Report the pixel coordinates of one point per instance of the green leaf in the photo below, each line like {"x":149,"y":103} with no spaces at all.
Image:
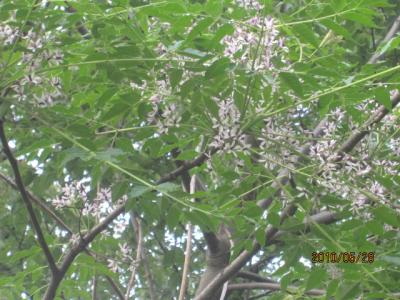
{"x":260,"y":236}
{"x":305,"y":33}
{"x":361,"y":18}
{"x":347,"y":291}
{"x":139,"y":190}
{"x":383,"y":97}
{"x":214,"y":7}
{"x":110,"y":154}
{"x":338,"y":29}
{"x":316,"y":278}
{"x":274,"y":218}
{"x":292,"y":82}
{"x":167,"y":187}
{"x":186,"y":155}
{"x":387,"y":215}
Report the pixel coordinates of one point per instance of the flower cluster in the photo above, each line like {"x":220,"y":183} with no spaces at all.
{"x":74,"y":194}
{"x":343,"y":179}
{"x":8,"y":35}
{"x":278,"y":140}
{"x":70,"y":193}
{"x":163,"y":115}
{"x":125,"y":256}
{"x":229,"y":137}
{"x":34,"y":57}
{"x":249,"y":4}
{"x":256,"y":44}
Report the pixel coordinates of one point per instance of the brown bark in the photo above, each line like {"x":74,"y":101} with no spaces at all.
{"x":217,"y":258}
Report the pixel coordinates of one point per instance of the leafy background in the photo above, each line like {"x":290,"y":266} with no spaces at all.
{"x":113,"y":94}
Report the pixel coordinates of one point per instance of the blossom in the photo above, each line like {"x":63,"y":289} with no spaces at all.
{"x":229,"y":136}
{"x":113,"y":265}
{"x":8,"y":35}
{"x":126,"y":252}
{"x":258,"y":46}
{"x":250,"y":4}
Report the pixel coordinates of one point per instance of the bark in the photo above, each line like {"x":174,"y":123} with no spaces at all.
{"x":217,"y":258}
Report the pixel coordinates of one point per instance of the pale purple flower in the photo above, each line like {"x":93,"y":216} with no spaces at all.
{"x":229,"y":137}
{"x":8,"y":35}
{"x":260,"y":45}
{"x":126,"y":252}
{"x":113,"y":265}
{"x":74,"y":239}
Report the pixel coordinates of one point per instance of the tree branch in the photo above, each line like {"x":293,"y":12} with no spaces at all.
{"x":137,"y":227}
{"x":392,"y":31}
{"x":77,"y":249}
{"x":318,"y":131}
{"x":188,"y":252}
{"x":186,"y":166}
{"x":42,"y":205}
{"x":28,"y":204}
{"x":246,"y":255}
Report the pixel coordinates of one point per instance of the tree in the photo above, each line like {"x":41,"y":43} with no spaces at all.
{"x":135,"y":135}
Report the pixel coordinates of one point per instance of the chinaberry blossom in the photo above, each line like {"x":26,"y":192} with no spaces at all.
{"x":45,"y":90}
{"x":229,"y":136}
{"x":75,"y":195}
{"x":250,"y":4}
{"x":256,"y":44}
{"x":163,"y":114}
{"x":113,"y":265}
{"x":8,"y":34}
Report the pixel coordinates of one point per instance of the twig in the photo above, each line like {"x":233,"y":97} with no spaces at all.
{"x":137,"y":227}
{"x":188,"y":252}
{"x":94,"y":288}
{"x":186,"y":166}
{"x":28,"y":203}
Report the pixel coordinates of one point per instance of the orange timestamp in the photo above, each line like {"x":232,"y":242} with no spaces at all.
{"x":343,"y":257}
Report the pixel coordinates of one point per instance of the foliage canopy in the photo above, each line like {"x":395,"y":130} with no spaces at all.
{"x":284,"y":110}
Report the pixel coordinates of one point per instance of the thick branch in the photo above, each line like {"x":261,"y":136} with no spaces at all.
{"x":42,"y":205}
{"x":392,"y":31}
{"x":28,"y":204}
{"x":271,"y":232}
{"x":209,"y":236}
{"x":77,"y":249}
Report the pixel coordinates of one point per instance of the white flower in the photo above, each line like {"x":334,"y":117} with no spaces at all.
{"x":250,"y":4}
